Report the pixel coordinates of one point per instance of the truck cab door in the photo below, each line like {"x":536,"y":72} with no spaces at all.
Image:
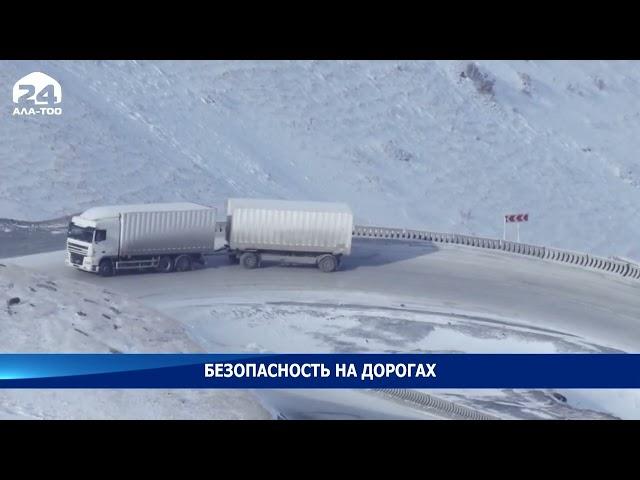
{"x":107,"y":238}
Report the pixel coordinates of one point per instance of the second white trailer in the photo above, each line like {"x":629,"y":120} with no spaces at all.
{"x":304,"y":232}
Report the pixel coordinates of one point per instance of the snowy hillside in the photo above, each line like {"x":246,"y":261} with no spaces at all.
{"x":447,"y":145}
{"x":56,"y":315}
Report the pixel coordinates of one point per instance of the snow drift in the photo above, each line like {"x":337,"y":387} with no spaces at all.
{"x":41,"y":314}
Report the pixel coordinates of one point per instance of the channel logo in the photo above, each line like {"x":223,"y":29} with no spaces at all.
{"x":37,"y":94}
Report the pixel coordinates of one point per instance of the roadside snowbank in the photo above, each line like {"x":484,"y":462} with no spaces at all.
{"x":58,"y":315}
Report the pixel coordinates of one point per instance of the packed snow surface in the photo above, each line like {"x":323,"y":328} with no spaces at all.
{"x":56,"y":315}
{"x":392,"y":296}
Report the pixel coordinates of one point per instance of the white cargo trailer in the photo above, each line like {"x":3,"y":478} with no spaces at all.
{"x":303,"y":232}
{"x":160,"y":236}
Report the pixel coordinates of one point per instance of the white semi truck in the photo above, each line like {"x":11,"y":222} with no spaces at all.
{"x":280,"y":230}
{"x":160,"y":236}
{"x":173,"y":236}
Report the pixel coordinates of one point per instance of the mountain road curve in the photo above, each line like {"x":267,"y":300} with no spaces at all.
{"x":524,"y":291}
{"x":390,"y":295}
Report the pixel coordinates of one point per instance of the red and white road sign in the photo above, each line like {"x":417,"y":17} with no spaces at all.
{"x":516,"y":217}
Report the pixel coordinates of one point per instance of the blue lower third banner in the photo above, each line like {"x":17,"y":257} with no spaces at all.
{"x":319,"y":371}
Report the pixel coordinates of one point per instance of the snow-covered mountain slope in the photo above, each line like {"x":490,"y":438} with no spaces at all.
{"x":58,"y":315}
{"x":447,"y":145}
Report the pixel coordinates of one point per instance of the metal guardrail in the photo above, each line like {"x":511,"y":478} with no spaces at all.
{"x":609,"y":265}
{"x":434,"y":404}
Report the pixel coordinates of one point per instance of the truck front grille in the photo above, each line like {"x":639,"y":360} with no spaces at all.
{"x":76,"y":252}
{"x":75,"y":248}
{"x":76,"y":258}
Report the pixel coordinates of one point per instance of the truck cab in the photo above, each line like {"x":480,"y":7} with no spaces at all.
{"x":90,"y":239}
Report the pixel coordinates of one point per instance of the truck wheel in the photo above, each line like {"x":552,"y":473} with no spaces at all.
{"x":327,"y":263}
{"x":249,"y":260}
{"x":183,"y":263}
{"x":105,"y":269}
{"x":165,"y":264}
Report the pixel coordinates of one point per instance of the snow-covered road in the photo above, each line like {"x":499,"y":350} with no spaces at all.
{"x":484,"y":286}
{"x":393,"y":296}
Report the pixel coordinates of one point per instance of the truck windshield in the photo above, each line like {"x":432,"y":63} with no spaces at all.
{"x":84,"y":234}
